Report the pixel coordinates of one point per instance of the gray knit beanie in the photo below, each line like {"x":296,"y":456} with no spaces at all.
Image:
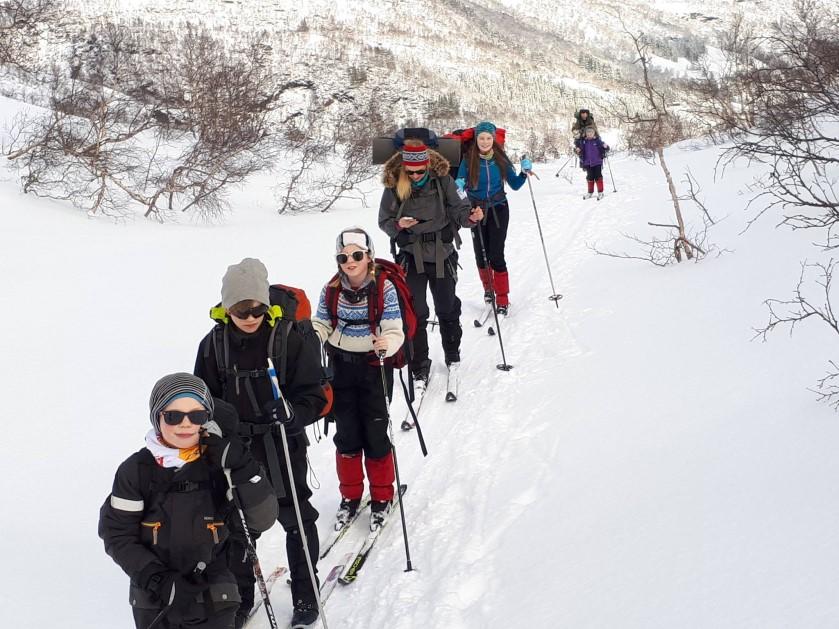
{"x":245,"y":281}
{"x":174,"y":386}
{"x":355,"y":235}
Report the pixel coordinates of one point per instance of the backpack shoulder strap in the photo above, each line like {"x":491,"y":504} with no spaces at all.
{"x":332,"y":294}
{"x":441,"y":197}
{"x":278,"y":347}
{"x":149,"y":478}
{"x":401,"y":207}
{"x":220,"y":343}
{"x":375,"y":299}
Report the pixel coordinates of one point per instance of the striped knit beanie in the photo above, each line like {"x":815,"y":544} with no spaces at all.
{"x":485,"y":127}
{"x":174,"y":386}
{"x":415,"y":155}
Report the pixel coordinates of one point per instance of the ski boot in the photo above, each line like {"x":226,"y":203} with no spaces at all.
{"x":346,"y":512}
{"x":588,"y":195}
{"x":305,"y":614}
{"x":378,"y":512}
{"x":599,"y":195}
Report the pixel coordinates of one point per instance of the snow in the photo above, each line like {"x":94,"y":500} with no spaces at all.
{"x":644,"y":465}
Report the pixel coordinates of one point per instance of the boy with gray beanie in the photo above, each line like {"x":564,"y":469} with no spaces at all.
{"x":166,"y":522}
{"x":233,"y":359}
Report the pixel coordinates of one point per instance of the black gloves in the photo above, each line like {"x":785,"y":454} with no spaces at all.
{"x":275,"y":409}
{"x":403,"y":238}
{"x":214,"y":451}
{"x":169,"y":586}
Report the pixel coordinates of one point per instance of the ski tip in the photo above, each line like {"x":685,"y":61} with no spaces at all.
{"x":451,"y":397}
{"x":476,"y":323}
{"x":491,"y":331}
{"x":407,"y":426}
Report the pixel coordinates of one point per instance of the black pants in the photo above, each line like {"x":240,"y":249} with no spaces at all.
{"x":446,"y":306}
{"x":493,"y":229}
{"x":202,"y":617}
{"x":593,"y":173}
{"x":239,"y":563}
{"x":360,"y":408}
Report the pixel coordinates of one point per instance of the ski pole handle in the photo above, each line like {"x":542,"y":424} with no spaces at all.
{"x":275,"y":386}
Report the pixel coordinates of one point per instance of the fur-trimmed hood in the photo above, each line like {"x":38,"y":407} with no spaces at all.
{"x":439,"y":166}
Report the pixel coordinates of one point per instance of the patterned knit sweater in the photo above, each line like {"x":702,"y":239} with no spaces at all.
{"x":352,"y":332}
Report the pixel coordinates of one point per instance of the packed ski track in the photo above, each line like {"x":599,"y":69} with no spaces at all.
{"x":644,"y":465}
{"x":464,"y":497}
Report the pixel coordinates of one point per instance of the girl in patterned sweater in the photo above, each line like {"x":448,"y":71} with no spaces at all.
{"x":360,"y":406}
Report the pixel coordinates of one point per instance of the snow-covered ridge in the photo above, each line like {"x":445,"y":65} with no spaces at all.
{"x":528,"y":64}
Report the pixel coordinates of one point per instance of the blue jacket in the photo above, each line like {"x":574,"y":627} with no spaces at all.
{"x":490,"y":185}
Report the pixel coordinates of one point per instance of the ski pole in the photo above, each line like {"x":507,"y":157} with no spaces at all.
{"x":555,"y":297}
{"x":562,"y":167}
{"x":414,"y":417}
{"x":504,"y":366}
{"x":409,"y":567}
{"x":278,"y":395}
{"x":611,"y":176}
{"x":249,"y":545}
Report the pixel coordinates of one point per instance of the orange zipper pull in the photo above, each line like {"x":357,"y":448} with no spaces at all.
{"x":154,"y":526}
{"x":214,"y":526}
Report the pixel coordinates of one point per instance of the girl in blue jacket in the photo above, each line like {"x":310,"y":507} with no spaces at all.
{"x":482,"y":174}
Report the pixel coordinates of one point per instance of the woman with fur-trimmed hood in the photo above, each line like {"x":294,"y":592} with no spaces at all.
{"x":582,"y":120}
{"x":422,"y":210}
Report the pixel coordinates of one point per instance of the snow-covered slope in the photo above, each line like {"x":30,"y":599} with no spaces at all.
{"x":450,"y":62}
{"x":644,"y":465}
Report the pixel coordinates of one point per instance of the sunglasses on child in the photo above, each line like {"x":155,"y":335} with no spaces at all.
{"x":343,"y":258}
{"x":244,"y":313}
{"x":416,"y":173}
{"x":174,"y":418}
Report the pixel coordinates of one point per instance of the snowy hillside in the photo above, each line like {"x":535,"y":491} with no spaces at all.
{"x":451,"y":61}
{"x":645,"y":465}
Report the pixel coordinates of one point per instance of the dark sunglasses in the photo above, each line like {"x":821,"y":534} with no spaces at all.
{"x":244,"y":313}
{"x":412,"y":173}
{"x":174,"y":418}
{"x":343,"y":258}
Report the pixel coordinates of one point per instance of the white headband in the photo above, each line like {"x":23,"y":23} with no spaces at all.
{"x":354,"y":238}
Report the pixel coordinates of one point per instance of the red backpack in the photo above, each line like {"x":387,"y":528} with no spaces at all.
{"x":467,"y":136}
{"x":385,"y":270}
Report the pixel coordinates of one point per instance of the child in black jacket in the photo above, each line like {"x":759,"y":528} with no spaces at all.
{"x":167,"y":519}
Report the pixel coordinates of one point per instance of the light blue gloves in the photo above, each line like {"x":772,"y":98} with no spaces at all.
{"x":526,"y":164}
{"x":460,"y":182}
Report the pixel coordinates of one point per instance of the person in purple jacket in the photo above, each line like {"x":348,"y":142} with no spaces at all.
{"x":592,"y":151}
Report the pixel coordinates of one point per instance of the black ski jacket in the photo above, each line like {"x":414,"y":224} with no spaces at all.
{"x":178,"y":518}
{"x":248,"y":355}
{"x":246,"y":385}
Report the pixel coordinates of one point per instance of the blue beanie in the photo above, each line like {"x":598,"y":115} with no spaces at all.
{"x":485,"y":127}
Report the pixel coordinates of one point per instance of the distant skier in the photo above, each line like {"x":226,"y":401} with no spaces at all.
{"x":482,"y":173}
{"x":592,"y":151}
{"x":167,"y":520}
{"x":422,"y":210}
{"x":233,"y":359}
{"x":343,"y":323}
{"x":582,"y":120}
